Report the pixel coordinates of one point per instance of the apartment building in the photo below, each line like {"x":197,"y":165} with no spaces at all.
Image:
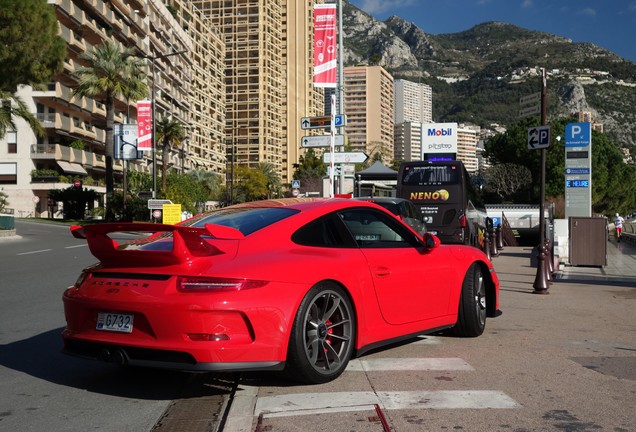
{"x":413,"y":102}
{"x":408,"y":141}
{"x":204,"y":148}
{"x":268,"y":72}
{"x":413,"y":107}
{"x":467,"y":146}
{"x":74,"y":144}
{"x":368,"y":104}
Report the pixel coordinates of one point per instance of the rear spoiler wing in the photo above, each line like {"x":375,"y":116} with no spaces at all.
{"x":187,"y":243}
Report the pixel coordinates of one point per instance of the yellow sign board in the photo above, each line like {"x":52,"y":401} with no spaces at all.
{"x":171,"y":213}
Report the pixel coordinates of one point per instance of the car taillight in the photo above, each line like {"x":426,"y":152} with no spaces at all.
{"x":462,"y":221}
{"x":203,"y":284}
{"x":81,"y":278}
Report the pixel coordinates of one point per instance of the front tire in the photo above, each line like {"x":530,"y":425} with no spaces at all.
{"x":471,"y":318}
{"x":322,"y":337}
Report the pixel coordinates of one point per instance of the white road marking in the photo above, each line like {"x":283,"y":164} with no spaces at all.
{"x":404,"y":364}
{"x":76,"y":246}
{"x":319,"y":403}
{"x":34,"y":252}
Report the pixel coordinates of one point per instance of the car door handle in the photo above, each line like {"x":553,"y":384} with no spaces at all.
{"x":382,"y":271}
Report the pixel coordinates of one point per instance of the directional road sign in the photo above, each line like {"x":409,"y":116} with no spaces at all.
{"x":157,"y":204}
{"x":321,"y":141}
{"x":345,"y":157}
{"x":322,"y":122}
{"x":538,"y":137}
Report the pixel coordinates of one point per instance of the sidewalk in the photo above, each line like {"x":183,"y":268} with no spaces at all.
{"x":567,"y":360}
{"x":619,"y":271}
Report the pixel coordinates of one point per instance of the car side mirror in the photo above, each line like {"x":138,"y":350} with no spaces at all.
{"x":431,"y":241}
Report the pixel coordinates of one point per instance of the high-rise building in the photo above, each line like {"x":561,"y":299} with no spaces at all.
{"x":413,"y":102}
{"x":204,"y":148}
{"x":268,"y":77}
{"x":368,"y":104}
{"x":413,"y":106}
{"x":408,"y":141}
{"x":74,"y":142}
{"x":467,"y":142}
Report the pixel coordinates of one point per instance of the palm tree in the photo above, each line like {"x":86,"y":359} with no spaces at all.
{"x":170,"y":132}
{"x":110,"y":74}
{"x":11,"y":106}
{"x":273,"y":179}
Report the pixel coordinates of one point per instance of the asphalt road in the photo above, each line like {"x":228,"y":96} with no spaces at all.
{"x":42,"y":389}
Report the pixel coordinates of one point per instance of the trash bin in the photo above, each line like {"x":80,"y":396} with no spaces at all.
{"x":7,"y":222}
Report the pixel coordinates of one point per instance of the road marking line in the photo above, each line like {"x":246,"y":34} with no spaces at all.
{"x":404,"y":364}
{"x":34,"y":252}
{"x":76,"y":246}
{"x":319,"y":403}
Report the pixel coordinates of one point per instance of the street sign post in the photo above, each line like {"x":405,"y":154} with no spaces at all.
{"x":345,"y":157}
{"x":322,"y":122}
{"x":321,"y":141}
{"x":538,"y":137}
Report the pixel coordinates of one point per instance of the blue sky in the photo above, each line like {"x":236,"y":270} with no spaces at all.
{"x":610,"y":24}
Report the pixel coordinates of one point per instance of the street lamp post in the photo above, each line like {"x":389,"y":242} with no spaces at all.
{"x":154,"y":127}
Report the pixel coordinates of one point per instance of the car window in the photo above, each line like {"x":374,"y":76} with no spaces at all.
{"x":247,"y":220}
{"x":373,"y":229}
{"x":326,"y":231}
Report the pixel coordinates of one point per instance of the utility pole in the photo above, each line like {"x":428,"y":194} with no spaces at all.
{"x":541,"y":280}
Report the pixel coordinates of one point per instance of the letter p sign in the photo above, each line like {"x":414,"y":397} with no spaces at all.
{"x":576,"y":130}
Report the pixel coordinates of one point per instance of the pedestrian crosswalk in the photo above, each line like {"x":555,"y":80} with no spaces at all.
{"x":292,"y":404}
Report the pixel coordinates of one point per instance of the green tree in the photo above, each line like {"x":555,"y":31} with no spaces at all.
{"x":185,"y":190}
{"x":273,"y":179}
{"x":109,"y":74}
{"x":506,"y":179}
{"x":31,"y":53}
{"x":75,"y":200}
{"x":211,"y":184}
{"x":170,"y":132}
{"x":250,"y":184}
{"x":310,"y":170}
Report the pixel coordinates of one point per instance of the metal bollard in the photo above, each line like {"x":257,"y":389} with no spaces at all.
{"x":499,"y":232}
{"x":493,"y":242}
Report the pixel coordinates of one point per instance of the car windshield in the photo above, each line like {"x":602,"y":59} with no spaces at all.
{"x":247,"y":220}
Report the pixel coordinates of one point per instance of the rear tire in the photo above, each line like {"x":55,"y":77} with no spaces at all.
{"x":322,"y":337}
{"x":471,"y":318}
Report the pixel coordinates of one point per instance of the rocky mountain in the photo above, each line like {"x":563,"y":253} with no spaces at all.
{"x":478,"y":75}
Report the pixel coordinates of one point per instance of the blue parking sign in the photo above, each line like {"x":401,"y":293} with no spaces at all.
{"x":578,"y":134}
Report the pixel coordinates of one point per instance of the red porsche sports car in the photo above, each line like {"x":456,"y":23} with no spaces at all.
{"x":297,"y":284}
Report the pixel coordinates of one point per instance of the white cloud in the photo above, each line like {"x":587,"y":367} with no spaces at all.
{"x":373,"y":7}
{"x":527,"y":4}
{"x":588,"y":12}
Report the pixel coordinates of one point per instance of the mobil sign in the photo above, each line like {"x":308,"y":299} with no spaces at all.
{"x":439,"y":138}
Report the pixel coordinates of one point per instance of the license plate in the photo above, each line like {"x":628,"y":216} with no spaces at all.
{"x":115,"y":322}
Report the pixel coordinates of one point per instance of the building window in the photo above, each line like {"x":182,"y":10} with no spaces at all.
{"x":12,"y":142}
{"x":9,"y":173}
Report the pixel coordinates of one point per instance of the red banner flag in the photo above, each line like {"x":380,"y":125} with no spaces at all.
{"x":325,"y":29}
{"x":144,"y":125}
